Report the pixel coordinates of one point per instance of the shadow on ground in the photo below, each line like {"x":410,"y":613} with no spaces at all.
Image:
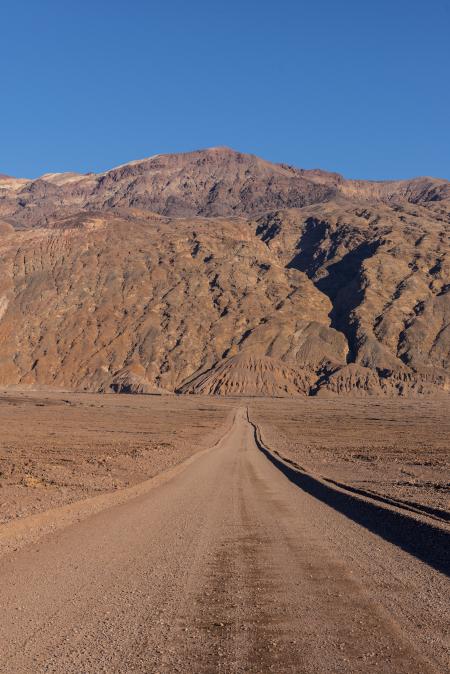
{"x":424,"y":541}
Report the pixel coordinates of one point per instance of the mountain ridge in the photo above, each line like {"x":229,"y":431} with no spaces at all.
{"x":217,"y":271}
{"x":216,"y":181}
{"x":225,"y":150}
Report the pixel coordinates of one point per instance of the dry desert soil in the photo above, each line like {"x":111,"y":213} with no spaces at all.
{"x":207,"y":534}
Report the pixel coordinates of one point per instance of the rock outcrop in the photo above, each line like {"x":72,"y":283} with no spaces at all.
{"x":218,"y":272}
{"x":250,"y":375}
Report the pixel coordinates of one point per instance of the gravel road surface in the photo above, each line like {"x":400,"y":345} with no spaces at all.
{"x":227,"y":567}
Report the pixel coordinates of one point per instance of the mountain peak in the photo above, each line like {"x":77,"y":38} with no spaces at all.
{"x":216,"y":271}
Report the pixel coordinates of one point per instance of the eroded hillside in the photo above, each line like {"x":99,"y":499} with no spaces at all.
{"x":251,"y":278}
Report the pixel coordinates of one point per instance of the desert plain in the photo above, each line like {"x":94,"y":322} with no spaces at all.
{"x":162,"y":533}
{"x":57,"y":448}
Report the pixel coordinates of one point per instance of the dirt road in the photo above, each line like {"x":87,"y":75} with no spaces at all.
{"x":227,"y":567}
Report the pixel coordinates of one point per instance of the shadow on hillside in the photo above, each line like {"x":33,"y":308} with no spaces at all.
{"x":342,"y":284}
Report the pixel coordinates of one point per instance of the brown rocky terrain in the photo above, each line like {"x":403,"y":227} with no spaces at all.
{"x":246,"y":557}
{"x":57,"y":449}
{"x":218,"y":272}
{"x":388,"y":449}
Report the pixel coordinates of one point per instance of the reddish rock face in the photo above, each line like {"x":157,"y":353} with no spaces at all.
{"x":218,"y":272}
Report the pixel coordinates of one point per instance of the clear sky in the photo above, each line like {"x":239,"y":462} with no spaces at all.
{"x":357,"y":86}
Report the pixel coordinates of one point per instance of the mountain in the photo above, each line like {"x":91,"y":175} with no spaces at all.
{"x":215,"y":182}
{"x":219,"y":272}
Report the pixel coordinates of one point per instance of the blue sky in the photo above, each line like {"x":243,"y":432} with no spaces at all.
{"x":362,"y":88}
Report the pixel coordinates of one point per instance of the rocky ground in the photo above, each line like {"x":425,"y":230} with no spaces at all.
{"x":59,"y":448}
{"x":227,"y":562}
{"x":397,"y":449}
